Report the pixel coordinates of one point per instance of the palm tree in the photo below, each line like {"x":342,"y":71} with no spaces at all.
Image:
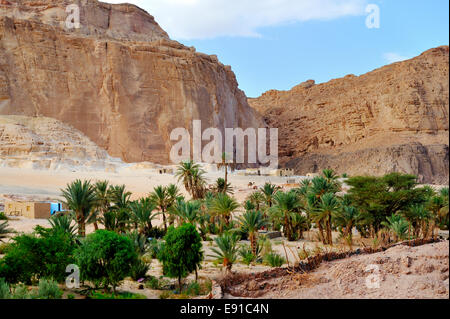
{"x":300,"y":223}
{"x":142,"y":215}
{"x":251,"y":222}
{"x":63,"y":223}
{"x":398,"y":225}
{"x":5,"y":231}
{"x":269,"y":190}
{"x":198,"y":184}
{"x":161,"y":199}
{"x":80,"y":198}
{"x":121,"y":207}
{"x":227,"y":250}
{"x":418,"y":216}
{"x":188,"y":212}
{"x":257,"y":199}
{"x":347,"y":218}
{"x":285,"y":205}
{"x":223,"y":206}
{"x":103,"y":202}
{"x":227,"y":165}
{"x":320,"y":186}
{"x":249,"y":206}
{"x":223,"y":187}
{"x":192,"y":177}
{"x":324,"y":213}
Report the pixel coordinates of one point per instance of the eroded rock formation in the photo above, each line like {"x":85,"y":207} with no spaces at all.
{"x":46,"y":143}
{"x":395,"y":118}
{"x":119,"y":79}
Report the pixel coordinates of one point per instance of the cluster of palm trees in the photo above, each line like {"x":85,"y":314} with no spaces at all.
{"x":111,"y":206}
{"x":317,"y":204}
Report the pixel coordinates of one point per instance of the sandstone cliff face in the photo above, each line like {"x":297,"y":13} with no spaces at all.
{"x":395,"y":118}
{"x":118,"y":79}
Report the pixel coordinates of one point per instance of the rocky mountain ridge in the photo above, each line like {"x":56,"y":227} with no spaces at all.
{"x":395,"y":118}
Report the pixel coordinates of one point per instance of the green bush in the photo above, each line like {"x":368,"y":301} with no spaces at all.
{"x":48,"y":289}
{"x":139,"y":270}
{"x":247,"y":256}
{"x":105,"y":258}
{"x":44,"y":254}
{"x":124,"y":295}
{"x":3,"y":216}
{"x":21,"y":292}
{"x":4,"y":248}
{"x":5,"y":293}
{"x":274,"y":260}
{"x":10,"y":292}
{"x":156,"y":284}
{"x":182,"y":252}
{"x":193,"y":289}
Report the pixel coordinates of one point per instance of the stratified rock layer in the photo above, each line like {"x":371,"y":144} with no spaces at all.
{"x":395,"y":118}
{"x":119,"y":79}
{"x":46,"y":143}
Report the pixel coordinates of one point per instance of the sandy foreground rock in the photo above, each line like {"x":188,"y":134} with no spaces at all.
{"x":402,"y":272}
{"x":391,"y":119}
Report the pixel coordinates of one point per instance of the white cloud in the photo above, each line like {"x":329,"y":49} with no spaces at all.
{"x":392,"y":57}
{"x":199,"y":19}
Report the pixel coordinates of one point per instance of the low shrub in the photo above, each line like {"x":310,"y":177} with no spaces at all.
{"x":139,"y":270}
{"x":157,"y":284}
{"x":247,"y":256}
{"x":3,"y":216}
{"x":124,"y":295}
{"x":274,"y":260}
{"x":5,"y":293}
{"x":193,"y":289}
{"x":48,"y":289}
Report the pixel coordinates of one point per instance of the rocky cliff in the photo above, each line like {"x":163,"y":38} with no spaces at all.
{"x":46,"y":143}
{"x":119,"y":79}
{"x":395,"y":118}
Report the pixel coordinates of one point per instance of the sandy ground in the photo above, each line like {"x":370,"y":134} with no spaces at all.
{"x":29,"y":184}
{"x":401,"y":272}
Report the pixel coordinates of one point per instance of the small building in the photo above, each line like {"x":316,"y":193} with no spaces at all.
{"x":253,"y":172}
{"x":32,"y":210}
{"x":284,"y":172}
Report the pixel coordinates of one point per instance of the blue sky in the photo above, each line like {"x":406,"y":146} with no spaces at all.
{"x":277,"y":44}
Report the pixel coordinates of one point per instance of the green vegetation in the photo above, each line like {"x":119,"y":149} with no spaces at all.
{"x":383,"y":210}
{"x":105,"y":258}
{"x":43,"y":254}
{"x":226,"y":252}
{"x":181,"y":254}
{"x":274,"y":260}
{"x":5,"y":231}
{"x":47,"y":289}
